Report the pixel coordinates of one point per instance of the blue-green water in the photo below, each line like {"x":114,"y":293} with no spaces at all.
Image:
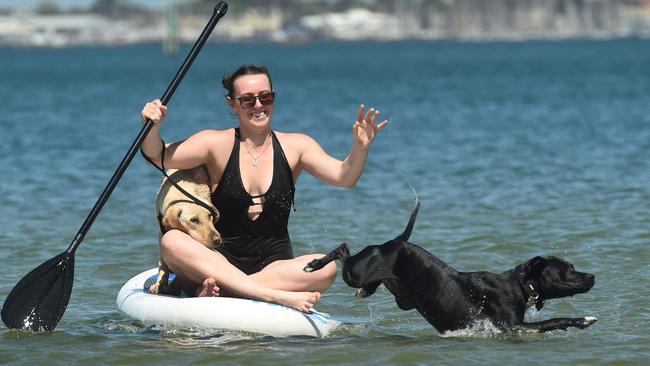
{"x":515,"y":150}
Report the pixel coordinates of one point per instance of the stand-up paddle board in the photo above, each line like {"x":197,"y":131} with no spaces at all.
{"x":225,"y":313}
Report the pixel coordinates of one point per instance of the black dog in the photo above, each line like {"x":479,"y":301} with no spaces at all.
{"x":452,"y":300}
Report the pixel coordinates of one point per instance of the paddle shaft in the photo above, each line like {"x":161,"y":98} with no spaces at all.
{"x":219,"y":12}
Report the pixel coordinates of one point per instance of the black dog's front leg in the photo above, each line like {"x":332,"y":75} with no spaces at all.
{"x":342,"y":253}
{"x":367,"y":290}
{"x":556,"y":323}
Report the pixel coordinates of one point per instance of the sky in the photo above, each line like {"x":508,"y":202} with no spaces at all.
{"x":70,"y":3}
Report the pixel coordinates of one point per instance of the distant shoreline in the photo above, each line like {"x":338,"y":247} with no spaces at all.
{"x":315,"y":42}
{"x":460,"y":20}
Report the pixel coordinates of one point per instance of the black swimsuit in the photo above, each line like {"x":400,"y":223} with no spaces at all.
{"x":248,"y":244}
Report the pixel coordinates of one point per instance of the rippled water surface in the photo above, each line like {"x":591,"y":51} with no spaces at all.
{"x":515,"y":150}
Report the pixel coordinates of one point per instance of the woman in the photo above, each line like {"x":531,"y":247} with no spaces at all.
{"x":252,"y":171}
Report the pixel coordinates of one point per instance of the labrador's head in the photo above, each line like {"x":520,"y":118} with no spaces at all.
{"x":554,"y":277}
{"x":194,"y":220}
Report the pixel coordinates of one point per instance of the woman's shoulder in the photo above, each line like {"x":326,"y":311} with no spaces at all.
{"x":294,"y":137}
{"x":218,"y":141}
{"x":215,"y":134}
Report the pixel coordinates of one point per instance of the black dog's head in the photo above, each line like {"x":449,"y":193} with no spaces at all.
{"x":552,"y":277}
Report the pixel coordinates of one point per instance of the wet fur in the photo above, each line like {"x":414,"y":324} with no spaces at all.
{"x":452,"y":300}
{"x":179,"y":212}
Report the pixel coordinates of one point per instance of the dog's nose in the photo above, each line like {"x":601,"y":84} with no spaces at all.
{"x":216,"y":239}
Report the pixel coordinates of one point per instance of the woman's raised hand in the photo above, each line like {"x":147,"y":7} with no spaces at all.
{"x":154,"y":111}
{"x":364,"y":129}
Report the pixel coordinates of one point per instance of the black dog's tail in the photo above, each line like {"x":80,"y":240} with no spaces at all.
{"x":342,"y":253}
{"x":407,"y":232}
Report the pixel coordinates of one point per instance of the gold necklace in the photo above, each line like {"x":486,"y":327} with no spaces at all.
{"x":256,"y":160}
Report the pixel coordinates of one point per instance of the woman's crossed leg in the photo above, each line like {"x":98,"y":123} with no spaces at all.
{"x":282,"y":282}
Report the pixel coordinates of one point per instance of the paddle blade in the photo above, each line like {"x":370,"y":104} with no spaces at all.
{"x":39,"y":300}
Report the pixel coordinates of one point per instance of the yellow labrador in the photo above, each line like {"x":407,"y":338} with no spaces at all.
{"x":177,"y":211}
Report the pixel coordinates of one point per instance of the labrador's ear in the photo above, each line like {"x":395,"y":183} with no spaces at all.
{"x":171,"y":220}
{"x":530,"y":271}
{"x":216,"y":215}
{"x":529,"y":279}
{"x":533,"y":267}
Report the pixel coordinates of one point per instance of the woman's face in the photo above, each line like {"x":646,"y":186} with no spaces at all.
{"x":247,"y":86}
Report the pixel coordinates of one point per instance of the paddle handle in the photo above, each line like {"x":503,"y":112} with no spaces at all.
{"x":219,"y":11}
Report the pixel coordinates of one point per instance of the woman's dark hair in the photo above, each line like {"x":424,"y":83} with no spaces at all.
{"x":229,"y":79}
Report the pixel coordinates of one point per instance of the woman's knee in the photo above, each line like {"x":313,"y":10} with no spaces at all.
{"x":327,"y":274}
{"x":330,"y":269}
{"x":170,"y":242}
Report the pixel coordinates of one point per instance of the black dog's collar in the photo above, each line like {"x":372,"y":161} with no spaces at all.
{"x":533,"y":296}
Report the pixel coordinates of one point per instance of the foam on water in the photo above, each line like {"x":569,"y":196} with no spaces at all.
{"x":483,"y":328}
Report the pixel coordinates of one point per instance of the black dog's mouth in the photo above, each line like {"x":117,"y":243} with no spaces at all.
{"x":573,"y":284}
{"x":579,"y":284}
{"x":588,"y":281}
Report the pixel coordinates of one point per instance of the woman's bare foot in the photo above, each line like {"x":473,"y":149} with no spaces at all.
{"x":301,"y":301}
{"x":208,"y":288}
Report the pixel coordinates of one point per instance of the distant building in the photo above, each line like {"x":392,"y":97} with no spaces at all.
{"x":113,"y":22}
{"x":63,"y":30}
{"x":253,"y":24}
{"x":354,"y":24}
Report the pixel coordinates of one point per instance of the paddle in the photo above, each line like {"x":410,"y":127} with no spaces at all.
{"x":39,"y":299}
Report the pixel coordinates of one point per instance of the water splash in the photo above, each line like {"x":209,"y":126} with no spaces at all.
{"x":482,"y":328}
{"x":396,"y":165}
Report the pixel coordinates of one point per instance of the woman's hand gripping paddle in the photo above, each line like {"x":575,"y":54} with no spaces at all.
{"x":39,"y":299}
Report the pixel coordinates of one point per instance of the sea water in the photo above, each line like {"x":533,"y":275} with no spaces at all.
{"x":514,"y":149}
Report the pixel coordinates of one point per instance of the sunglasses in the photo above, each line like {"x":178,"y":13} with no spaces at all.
{"x":247,"y":101}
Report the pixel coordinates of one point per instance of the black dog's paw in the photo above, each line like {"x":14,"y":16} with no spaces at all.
{"x":586,"y":321}
{"x":361,"y":294}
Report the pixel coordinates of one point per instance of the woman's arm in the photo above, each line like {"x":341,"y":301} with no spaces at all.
{"x":344,"y":173}
{"x":183,"y":154}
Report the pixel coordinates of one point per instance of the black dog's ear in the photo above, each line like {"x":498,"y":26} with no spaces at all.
{"x":533,"y":266}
